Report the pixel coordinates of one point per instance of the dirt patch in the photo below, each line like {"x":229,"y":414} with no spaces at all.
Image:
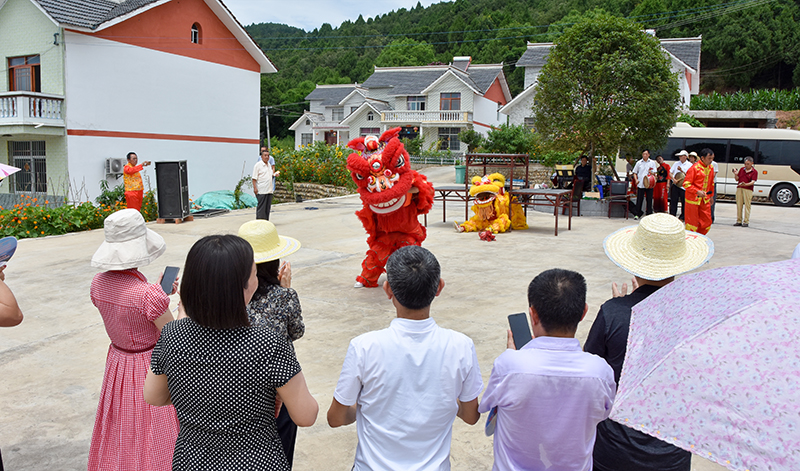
{"x":788,"y":119}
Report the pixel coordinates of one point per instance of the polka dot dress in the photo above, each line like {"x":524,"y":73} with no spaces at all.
{"x":222,"y":383}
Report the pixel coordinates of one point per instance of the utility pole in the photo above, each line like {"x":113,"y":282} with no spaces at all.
{"x":266,"y":117}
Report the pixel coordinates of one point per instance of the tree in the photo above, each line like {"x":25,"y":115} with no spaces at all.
{"x":606,"y":87}
{"x":405,"y":52}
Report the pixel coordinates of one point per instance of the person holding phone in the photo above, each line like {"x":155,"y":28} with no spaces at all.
{"x":404,"y":385}
{"x":275,"y":304}
{"x":549,"y":396}
{"x":222,"y":374}
{"x":128,"y":433}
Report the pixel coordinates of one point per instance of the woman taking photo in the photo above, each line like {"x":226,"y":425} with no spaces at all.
{"x":129,"y":433}
{"x":275,"y":304}
{"x":221,"y":374}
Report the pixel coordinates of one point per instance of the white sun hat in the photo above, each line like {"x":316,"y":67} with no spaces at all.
{"x":129,"y":243}
{"x":267,"y":244}
{"x":658,"y":248}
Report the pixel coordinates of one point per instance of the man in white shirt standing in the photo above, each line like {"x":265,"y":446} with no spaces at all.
{"x":676,"y":192}
{"x":264,"y":184}
{"x":404,"y":385}
{"x":641,"y":170}
{"x":549,"y":394}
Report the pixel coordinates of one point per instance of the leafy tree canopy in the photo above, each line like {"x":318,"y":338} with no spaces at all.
{"x":405,"y":52}
{"x":606,"y":86}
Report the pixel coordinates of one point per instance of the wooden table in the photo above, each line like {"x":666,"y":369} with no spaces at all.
{"x":445,"y":193}
{"x":552,"y":197}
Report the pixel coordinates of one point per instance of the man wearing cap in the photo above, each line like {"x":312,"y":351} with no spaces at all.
{"x":676,"y":191}
{"x":654,"y":253}
{"x":134,"y":190}
{"x":641,"y":171}
{"x":699,"y":186}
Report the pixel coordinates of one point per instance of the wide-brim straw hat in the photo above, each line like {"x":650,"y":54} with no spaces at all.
{"x":129,"y":243}
{"x":658,"y":248}
{"x":267,"y":244}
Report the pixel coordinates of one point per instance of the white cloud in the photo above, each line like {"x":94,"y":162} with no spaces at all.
{"x":311,"y":14}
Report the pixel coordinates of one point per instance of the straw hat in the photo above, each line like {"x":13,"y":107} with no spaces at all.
{"x":694,"y":154}
{"x":267,"y":244}
{"x":129,"y":243}
{"x":683,"y":152}
{"x":658,"y":248}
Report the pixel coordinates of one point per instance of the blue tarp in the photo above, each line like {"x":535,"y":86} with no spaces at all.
{"x":222,"y":199}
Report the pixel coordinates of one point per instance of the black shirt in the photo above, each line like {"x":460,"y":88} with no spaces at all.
{"x":620,"y":448}
{"x":584,"y":172}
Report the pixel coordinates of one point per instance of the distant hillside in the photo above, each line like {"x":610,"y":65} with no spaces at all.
{"x":746,"y":44}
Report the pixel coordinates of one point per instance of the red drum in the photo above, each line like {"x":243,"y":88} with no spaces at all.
{"x":649,"y":181}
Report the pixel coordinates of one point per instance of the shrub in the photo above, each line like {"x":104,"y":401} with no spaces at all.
{"x":315,"y":163}
{"x":754,"y":100}
{"x":29,"y":219}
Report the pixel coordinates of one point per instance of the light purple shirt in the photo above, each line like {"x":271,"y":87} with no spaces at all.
{"x":550,"y":396}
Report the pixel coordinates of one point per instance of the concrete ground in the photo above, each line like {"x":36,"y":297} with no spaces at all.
{"x":52,"y":364}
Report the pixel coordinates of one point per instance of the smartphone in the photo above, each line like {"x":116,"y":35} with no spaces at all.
{"x":519,"y":329}
{"x":170,"y":275}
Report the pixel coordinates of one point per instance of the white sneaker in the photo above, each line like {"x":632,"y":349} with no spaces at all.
{"x":358,"y":285}
{"x":457,"y":227}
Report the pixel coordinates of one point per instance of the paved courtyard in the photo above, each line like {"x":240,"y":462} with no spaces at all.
{"x":52,"y":364}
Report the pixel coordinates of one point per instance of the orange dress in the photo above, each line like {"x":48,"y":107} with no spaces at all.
{"x":134,"y":189}
{"x":697,"y":210}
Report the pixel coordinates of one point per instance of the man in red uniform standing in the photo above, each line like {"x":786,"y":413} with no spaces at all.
{"x":699,"y":185}
{"x":134,"y":189}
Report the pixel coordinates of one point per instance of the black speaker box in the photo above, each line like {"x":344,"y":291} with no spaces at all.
{"x":172,"y":188}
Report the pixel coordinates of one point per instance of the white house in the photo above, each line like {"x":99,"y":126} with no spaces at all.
{"x":435,"y":102}
{"x":90,"y":80}
{"x":683,"y":53}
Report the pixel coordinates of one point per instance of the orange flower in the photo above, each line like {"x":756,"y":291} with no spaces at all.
{"x":46,"y":202}
{"x":27,"y":232}
{"x":42,"y":232}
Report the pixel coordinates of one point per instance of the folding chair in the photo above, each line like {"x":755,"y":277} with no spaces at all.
{"x":618,"y":195}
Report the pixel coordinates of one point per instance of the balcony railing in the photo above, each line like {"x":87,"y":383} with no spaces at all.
{"x":31,"y":108}
{"x":427,"y":116}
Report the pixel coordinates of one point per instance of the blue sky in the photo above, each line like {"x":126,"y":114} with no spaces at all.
{"x":311,"y":14}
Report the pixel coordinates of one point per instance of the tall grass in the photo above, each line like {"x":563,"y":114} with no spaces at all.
{"x":754,"y":100}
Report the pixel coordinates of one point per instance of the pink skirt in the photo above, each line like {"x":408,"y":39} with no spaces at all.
{"x":130,"y":434}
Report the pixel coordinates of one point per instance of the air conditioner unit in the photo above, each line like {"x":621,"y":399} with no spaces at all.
{"x":114,"y":166}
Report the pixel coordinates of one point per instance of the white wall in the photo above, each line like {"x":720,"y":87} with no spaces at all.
{"x":121,"y":88}
{"x":531,"y":73}
{"x":485,"y":112}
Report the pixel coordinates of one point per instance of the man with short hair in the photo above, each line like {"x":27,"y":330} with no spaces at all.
{"x":134,"y":189}
{"x":641,"y":170}
{"x":746,"y":179}
{"x":699,"y":186}
{"x":404,"y":385}
{"x":264,"y":184}
{"x":676,"y":192}
{"x":619,"y":447}
{"x":583,"y":173}
{"x":549,"y":395}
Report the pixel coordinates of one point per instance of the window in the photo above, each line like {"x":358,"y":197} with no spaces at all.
{"x":448,"y":139}
{"x":741,"y":148}
{"x":30,"y":158}
{"x":369,"y":131}
{"x":528,"y":123}
{"x":337,"y":114}
{"x":718,"y":146}
{"x":23,"y":74}
{"x":370,"y":116}
{"x":353,"y":109}
{"x":415,"y":103}
{"x":306,"y":139}
{"x":196,"y":33}
{"x":778,"y":153}
{"x":450,"y":101}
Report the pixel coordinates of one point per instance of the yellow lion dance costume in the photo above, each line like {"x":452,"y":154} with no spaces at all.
{"x":494,"y":209}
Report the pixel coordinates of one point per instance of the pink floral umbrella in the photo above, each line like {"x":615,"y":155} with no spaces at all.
{"x":713,"y":366}
{"x":6,"y":170}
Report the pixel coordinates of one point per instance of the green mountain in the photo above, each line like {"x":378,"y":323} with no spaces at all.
{"x":746,"y":43}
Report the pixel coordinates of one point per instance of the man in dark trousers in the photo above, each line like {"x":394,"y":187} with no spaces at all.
{"x":617,"y":447}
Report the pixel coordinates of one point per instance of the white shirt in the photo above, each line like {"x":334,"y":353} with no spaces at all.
{"x":682,"y":166}
{"x":716,"y":170}
{"x":643,"y":169}
{"x":262,"y":174}
{"x":405,"y":381}
{"x":550,"y":396}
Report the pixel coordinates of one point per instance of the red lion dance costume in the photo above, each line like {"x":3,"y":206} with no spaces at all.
{"x":393,"y":196}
